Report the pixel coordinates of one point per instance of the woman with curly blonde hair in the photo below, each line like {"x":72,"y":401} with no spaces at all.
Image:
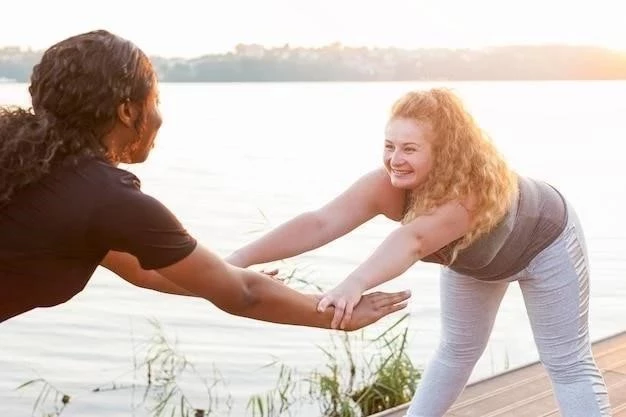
{"x":461,"y":206}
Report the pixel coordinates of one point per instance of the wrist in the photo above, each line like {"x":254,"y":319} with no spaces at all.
{"x":323,"y":318}
{"x":358,"y":282}
{"x":237,"y":259}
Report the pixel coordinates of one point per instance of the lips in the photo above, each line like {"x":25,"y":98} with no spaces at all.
{"x":400,"y":173}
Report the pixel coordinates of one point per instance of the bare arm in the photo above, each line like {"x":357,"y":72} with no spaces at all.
{"x":369,"y":196}
{"x":411,"y":242}
{"x":127,"y":267}
{"x":397,"y":253}
{"x":244,"y":292}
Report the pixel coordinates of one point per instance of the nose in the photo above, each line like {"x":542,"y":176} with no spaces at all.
{"x":396,"y":159}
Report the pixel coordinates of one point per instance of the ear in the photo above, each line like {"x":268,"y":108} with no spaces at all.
{"x":128,"y":113}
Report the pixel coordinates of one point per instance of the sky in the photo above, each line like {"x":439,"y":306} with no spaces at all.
{"x":188,"y":28}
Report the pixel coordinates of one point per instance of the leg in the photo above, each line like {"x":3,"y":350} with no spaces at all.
{"x":556,"y":294}
{"x":468,"y":311}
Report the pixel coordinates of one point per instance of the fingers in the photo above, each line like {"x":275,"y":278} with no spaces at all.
{"x":340,"y":308}
{"x":393,"y":308}
{"x":324,"y":303}
{"x":347,"y":316}
{"x":401,"y":296}
{"x":273,"y":274}
{"x":390,"y":303}
{"x":383,"y":300}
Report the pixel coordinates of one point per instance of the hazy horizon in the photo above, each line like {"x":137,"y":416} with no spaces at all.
{"x":294,"y":46}
{"x":194,"y":28}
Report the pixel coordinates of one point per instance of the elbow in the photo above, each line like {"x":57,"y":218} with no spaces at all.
{"x":318,"y":226}
{"x":416,"y":246}
{"x":247,"y":298}
{"x":316,"y":219}
{"x":417,"y":252}
{"x":141,"y":280}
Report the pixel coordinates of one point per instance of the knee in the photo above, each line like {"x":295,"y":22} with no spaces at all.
{"x":456,"y":352}
{"x":562,"y":370}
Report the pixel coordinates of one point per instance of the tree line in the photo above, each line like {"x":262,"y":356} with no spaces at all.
{"x":335,"y":62}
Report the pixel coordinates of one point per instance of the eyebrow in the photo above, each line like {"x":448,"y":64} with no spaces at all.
{"x":404,"y":143}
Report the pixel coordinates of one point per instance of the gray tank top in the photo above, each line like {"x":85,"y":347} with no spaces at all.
{"x":536,"y":218}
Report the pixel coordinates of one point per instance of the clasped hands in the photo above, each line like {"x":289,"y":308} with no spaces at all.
{"x":345,"y":297}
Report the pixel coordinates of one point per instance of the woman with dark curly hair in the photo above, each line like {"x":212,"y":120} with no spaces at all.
{"x":66,"y":208}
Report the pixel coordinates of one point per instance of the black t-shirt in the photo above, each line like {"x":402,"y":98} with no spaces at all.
{"x":54,"y":233}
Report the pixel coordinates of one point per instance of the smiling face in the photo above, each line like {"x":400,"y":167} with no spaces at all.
{"x":408,"y":156}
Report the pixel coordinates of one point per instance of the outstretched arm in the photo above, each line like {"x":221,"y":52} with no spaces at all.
{"x":371,"y":195}
{"x":397,"y":253}
{"x":246,"y":293}
{"x":172,"y":261}
{"x":127,"y":267}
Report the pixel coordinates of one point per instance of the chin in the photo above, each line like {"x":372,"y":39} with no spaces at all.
{"x":403,"y":184}
{"x":141,"y":158}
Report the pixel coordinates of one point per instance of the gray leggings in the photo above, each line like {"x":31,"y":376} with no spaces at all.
{"x":555,"y":286}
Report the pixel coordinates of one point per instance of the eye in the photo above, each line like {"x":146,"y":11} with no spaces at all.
{"x":389,"y":146}
{"x":410,"y":150}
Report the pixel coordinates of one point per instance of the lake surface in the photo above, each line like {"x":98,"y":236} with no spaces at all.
{"x":233,"y":160}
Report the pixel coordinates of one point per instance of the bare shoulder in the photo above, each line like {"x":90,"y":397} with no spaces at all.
{"x":468,"y":204}
{"x":390,"y":200}
{"x":370,"y":195}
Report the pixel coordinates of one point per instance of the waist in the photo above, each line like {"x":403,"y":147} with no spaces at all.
{"x":537,"y":219}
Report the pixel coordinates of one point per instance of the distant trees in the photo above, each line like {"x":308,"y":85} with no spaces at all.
{"x":338,"y":63}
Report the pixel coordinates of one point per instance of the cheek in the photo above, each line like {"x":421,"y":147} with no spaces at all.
{"x":157,"y":119}
{"x":421,"y":163}
{"x":386,"y":157}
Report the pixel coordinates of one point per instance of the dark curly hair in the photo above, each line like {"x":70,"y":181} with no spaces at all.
{"x":76,"y":89}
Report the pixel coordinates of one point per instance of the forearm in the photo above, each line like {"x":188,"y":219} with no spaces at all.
{"x":301,"y":234}
{"x":270,"y":300}
{"x":244,"y":292}
{"x":397,"y":253}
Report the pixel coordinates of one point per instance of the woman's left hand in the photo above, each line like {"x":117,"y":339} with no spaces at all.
{"x":344,"y":297}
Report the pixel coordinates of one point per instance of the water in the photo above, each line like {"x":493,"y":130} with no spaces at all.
{"x":233,"y":159}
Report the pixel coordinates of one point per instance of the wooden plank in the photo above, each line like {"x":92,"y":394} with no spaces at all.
{"x":547,"y":406}
{"x":527,"y":391}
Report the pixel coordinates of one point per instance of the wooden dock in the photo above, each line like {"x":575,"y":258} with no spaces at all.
{"x":526,"y":391}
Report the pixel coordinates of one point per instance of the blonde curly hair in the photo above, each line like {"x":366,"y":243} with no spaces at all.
{"x":466,"y":163}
